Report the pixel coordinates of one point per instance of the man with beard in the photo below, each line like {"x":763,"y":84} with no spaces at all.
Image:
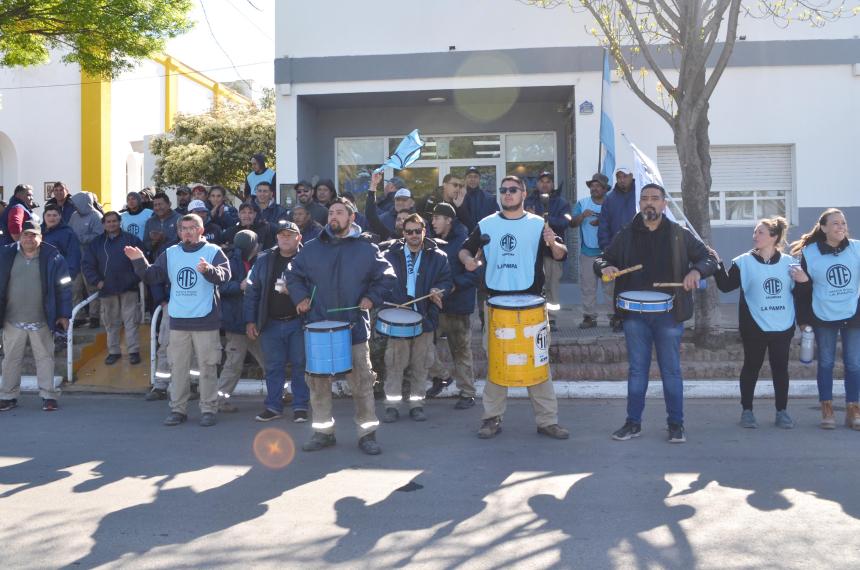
{"x":183,"y":198}
{"x":308,"y":227}
{"x":19,"y":210}
{"x":669,"y":253}
{"x":62,"y":198}
{"x":305,"y":197}
{"x":519,"y":272}
{"x":474,"y":204}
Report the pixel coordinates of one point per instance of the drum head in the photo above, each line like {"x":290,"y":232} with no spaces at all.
{"x":516,"y":301}
{"x":327,"y":325}
{"x":646,"y":296}
{"x":399,"y":316}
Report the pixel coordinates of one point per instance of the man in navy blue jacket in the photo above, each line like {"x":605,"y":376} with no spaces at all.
{"x":474,"y":204}
{"x":57,"y":233}
{"x":618,"y":210}
{"x":422,"y":269}
{"x":456,"y":311}
{"x":107,"y":269}
{"x":267,"y":207}
{"x":35,"y":302}
{"x":342,"y":269}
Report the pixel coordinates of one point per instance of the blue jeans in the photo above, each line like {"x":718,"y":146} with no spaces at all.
{"x":825,"y":338}
{"x":282,"y":342}
{"x":642,"y":332}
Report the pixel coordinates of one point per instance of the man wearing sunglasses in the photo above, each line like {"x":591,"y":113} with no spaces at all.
{"x":421,"y":269}
{"x":305,"y":197}
{"x":514,"y":265}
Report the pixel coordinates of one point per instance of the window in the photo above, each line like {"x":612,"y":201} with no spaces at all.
{"x":749,"y":182}
{"x":529,"y":154}
{"x":356,"y":160}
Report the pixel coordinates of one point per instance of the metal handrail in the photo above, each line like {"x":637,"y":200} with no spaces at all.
{"x":70,"y":336}
{"x":142,"y":290}
{"x":153,"y":342}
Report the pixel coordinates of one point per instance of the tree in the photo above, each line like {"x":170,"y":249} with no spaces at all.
{"x":215,"y":147}
{"x":695,"y":35}
{"x":104,"y":37}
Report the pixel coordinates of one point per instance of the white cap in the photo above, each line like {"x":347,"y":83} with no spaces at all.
{"x":403,"y":193}
{"x":197,"y":205}
{"x":623,"y":169}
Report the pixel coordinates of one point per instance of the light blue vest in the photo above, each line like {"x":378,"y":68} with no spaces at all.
{"x":834,"y":281}
{"x":254,"y":179}
{"x":134,"y":223}
{"x":587,"y":231}
{"x":512,"y":251}
{"x":191,"y":296}
{"x":767,"y":290}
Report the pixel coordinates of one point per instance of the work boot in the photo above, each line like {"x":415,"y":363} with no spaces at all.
{"x":588,"y":322}
{"x":852,"y":415}
{"x":156,"y":394}
{"x":828,"y":421}
{"x":134,"y":358}
{"x":417,"y":414}
{"x":368,"y":444}
{"x":318,"y":441}
{"x":391,"y":415}
{"x":439,"y":384}
{"x":464,"y":403}
{"x":490,"y":427}
{"x":208,"y":419}
{"x":112,"y":359}
{"x":554,"y":431}
{"x":174,"y":419}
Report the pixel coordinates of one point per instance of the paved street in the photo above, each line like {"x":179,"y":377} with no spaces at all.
{"x":102,"y":483}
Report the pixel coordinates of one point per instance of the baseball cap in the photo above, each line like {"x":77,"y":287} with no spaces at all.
{"x":472,"y":169}
{"x":286,"y":226}
{"x":397,"y":182}
{"x":546,"y":174}
{"x":600,"y":178}
{"x":31,"y":227}
{"x":197,"y":205}
{"x":183,"y":190}
{"x":403,"y":193}
{"x":623,"y":169}
{"x":443,"y":209}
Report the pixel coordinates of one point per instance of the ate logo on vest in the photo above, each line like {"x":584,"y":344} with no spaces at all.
{"x":134,"y":229}
{"x":508,"y":243}
{"x":772,"y":286}
{"x":186,"y":278}
{"x":839,"y":276}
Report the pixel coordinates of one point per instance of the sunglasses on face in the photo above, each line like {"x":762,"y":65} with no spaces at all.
{"x":412,"y":232}
{"x":509,"y":189}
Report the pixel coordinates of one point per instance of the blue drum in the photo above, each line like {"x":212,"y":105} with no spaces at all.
{"x":645,"y":301}
{"x":399,"y":323}
{"x":328,"y":348}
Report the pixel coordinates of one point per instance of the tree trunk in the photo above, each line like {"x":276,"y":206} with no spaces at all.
{"x":693,"y":144}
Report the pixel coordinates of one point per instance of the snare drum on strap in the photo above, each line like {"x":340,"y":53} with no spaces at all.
{"x":399,"y":323}
{"x":645,"y":301}
{"x":328,"y":348}
{"x":518,"y":344}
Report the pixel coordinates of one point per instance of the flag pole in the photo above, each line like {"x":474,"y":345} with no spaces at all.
{"x":599,"y":141}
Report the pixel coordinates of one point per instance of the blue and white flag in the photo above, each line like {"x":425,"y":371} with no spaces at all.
{"x":407,"y":152}
{"x":607,"y":128}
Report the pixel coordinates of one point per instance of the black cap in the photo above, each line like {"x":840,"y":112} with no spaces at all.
{"x":601,"y":179}
{"x":286,"y":226}
{"x":546,"y":174}
{"x":444,"y":209}
{"x":472,"y":169}
{"x":31,"y":226}
{"x":183,"y":190}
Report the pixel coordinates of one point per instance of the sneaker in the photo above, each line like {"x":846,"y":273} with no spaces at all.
{"x":490,"y":427}
{"x":300,"y":416}
{"x":174,"y":419}
{"x":368,"y":444}
{"x":112,"y":359}
{"x":783,"y":420}
{"x":318,"y":441}
{"x":554,"y":431}
{"x":227,"y":407}
{"x":628,"y":431}
{"x":391,"y":415}
{"x":464,"y":403}
{"x":268,"y":415}
{"x":134,"y":358}
{"x":588,"y":322}
{"x":677,"y":433}
{"x":617,"y":324}
{"x":6,"y":405}
{"x":417,"y":414}
{"x":208,"y":419}
{"x":49,"y":405}
{"x":156,"y":394}
{"x":748,"y":419}
{"x":438,"y":385}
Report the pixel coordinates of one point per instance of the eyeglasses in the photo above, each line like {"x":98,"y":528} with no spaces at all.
{"x":509,"y":189}
{"x":413,"y":232}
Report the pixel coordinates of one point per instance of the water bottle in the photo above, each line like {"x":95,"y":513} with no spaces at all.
{"x":807,"y":345}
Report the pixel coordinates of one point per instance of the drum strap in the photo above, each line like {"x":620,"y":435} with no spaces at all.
{"x":411,"y":271}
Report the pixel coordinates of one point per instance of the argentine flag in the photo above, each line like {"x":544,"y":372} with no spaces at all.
{"x":607,"y":128}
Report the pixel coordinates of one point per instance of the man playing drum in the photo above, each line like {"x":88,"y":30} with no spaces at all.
{"x":654,"y":316}
{"x":514,"y":256}
{"x":340,"y":269}
{"x":422,"y":269}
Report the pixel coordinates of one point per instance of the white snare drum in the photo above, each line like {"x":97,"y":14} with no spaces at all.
{"x":645,"y":301}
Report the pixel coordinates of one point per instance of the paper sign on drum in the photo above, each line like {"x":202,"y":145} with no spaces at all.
{"x":541,"y":347}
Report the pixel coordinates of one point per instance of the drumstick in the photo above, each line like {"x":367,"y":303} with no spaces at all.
{"x":427,"y":296}
{"x":339,"y":309}
{"x":608,"y":278}
{"x":668,"y":284}
{"x":394,"y":305}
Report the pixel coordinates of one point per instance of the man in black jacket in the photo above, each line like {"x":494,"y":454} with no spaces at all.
{"x":668,"y":253}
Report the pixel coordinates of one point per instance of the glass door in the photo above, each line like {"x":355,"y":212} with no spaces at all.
{"x":490,"y":172}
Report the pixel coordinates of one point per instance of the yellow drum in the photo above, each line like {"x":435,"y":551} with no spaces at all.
{"x":518,"y":343}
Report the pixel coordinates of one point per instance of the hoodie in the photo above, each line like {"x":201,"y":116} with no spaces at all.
{"x":86,"y":222}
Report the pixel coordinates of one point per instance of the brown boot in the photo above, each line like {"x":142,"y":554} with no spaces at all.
{"x":828,"y":421}
{"x":852,"y":415}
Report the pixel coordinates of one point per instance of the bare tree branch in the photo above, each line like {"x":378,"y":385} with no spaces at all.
{"x":646,"y":51}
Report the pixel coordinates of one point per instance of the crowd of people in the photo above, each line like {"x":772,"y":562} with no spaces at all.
{"x":267,"y":279}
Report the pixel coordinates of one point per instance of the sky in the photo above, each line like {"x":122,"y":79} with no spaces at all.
{"x":245,"y":30}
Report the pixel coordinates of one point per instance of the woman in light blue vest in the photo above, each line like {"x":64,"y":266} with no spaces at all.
{"x":831,"y":264}
{"x":765,"y":314}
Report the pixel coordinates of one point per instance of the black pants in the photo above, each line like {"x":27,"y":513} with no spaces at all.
{"x":777,"y":346}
